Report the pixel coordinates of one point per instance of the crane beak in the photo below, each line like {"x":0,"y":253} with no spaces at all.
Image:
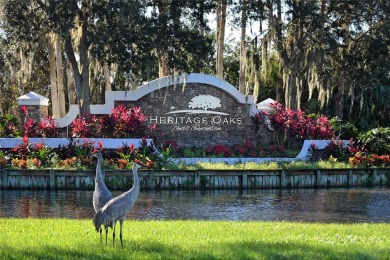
{"x":93,"y":152}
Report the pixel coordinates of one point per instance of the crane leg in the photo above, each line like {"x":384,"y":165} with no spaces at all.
{"x":113,"y":236}
{"x":106,"y":235}
{"x":100,"y":231}
{"x":120,"y":235}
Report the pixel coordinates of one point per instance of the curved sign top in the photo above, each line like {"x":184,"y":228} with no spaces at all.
{"x":209,"y":102}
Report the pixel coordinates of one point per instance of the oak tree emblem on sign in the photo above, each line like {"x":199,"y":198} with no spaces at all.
{"x":200,"y":105}
{"x":204,"y":102}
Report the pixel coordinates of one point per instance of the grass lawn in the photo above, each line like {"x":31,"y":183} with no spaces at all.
{"x":77,"y":239}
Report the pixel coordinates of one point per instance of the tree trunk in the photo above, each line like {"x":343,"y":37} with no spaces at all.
{"x":243,"y":60}
{"x":55,"y":109}
{"x":339,"y":98}
{"x":162,"y":52}
{"x":70,"y":80}
{"x":80,"y":75}
{"x":107,"y":78}
{"x":264,"y":59}
{"x":60,"y":77}
{"x":201,"y":33}
{"x":1,"y":102}
{"x":255,"y":71}
{"x":26,"y":55}
{"x":163,"y":69}
{"x":221,"y":24}
{"x":322,"y":10}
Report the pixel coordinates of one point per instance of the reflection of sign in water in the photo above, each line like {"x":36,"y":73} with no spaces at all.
{"x":202,"y":101}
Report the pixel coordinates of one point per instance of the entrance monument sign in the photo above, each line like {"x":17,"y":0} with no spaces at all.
{"x":193,"y":110}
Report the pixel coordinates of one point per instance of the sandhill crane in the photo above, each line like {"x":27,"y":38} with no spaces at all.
{"x":101,"y":194}
{"x":118,"y":207}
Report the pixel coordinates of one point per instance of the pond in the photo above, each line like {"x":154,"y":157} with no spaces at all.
{"x":308,"y":205}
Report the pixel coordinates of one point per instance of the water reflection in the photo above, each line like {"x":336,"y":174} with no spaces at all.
{"x":312,"y":205}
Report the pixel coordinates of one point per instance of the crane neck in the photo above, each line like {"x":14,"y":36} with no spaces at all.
{"x":99,"y":176}
{"x":136,"y":184}
{"x":136,"y":179}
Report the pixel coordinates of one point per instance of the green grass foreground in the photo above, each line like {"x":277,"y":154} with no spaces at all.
{"x":76,"y":239}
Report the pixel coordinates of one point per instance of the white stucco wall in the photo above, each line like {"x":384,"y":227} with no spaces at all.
{"x":112,"y":96}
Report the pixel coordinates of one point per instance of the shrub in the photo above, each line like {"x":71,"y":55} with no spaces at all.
{"x":82,"y":126}
{"x":38,"y":154}
{"x":126,"y":154}
{"x":219,"y":150}
{"x":41,"y":155}
{"x":376,"y":141}
{"x":9,"y":126}
{"x":294,"y":126}
{"x":370,"y":160}
{"x":46,"y":128}
{"x":336,"y":149}
{"x":121,"y":122}
{"x":172,"y":145}
{"x":21,"y":151}
{"x":188,"y":153}
{"x":248,"y":149}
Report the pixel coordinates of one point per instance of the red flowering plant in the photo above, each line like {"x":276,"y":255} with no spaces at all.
{"x":273,"y":151}
{"x":46,"y":128}
{"x":258,"y":119}
{"x":169,"y":149}
{"x":126,"y":153}
{"x":370,"y":160}
{"x":30,"y":128}
{"x":104,"y":126}
{"x":149,"y":155}
{"x":83,"y":150}
{"x":219,"y":150}
{"x":127,"y":122}
{"x":146,"y":154}
{"x":41,"y":155}
{"x":80,"y":150}
{"x":19,"y":163}
{"x":123,"y":163}
{"x":3,"y":159}
{"x":171,"y":144}
{"x":21,"y":151}
{"x":248,"y":149}
{"x":66,"y":151}
{"x":24,"y":110}
{"x":83,"y":126}
{"x":336,"y":149}
{"x":121,"y":122}
{"x":295,"y":126}
{"x":372,"y":149}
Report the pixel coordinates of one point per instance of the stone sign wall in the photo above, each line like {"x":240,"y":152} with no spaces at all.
{"x":198,"y":116}
{"x":193,"y":110}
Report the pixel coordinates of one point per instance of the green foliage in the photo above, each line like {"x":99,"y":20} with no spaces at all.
{"x":376,"y":141}
{"x":127,"y":153}
{"x":43,"y":153}
{"x":9,"y":126}
{"x":266,"y":166}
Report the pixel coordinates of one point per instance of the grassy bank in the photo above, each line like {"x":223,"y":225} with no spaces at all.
{"x":76,"y":239}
